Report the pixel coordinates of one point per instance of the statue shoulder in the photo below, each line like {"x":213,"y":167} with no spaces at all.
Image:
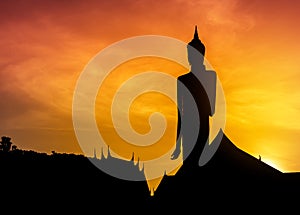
{"x":184,"y":77}
{"x":211,"y":73}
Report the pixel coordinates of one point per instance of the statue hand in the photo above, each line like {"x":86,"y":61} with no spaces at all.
{"x":175,"y":154}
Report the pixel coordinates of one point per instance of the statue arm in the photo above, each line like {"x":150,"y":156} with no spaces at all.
{"x":214,"y":93}
{"x":211,"y":88}
{"x":177,"y":150}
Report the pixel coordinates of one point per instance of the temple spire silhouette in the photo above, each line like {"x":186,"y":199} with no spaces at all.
{"x":95,"y":154}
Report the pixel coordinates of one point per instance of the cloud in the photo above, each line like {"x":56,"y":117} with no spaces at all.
{"x":15,"y":104}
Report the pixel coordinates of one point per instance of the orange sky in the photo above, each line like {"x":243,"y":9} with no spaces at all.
{"x":253,"y":46}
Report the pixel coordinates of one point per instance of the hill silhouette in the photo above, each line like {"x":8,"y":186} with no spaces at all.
{"x":67,"y":181}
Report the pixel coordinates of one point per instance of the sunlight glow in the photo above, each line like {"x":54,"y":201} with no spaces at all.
{"x":271,"y":163}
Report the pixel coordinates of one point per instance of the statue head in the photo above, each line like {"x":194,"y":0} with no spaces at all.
{"x":196,"y":50}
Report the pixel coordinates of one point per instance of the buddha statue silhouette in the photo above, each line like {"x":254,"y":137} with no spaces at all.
{"x":196,"y":94}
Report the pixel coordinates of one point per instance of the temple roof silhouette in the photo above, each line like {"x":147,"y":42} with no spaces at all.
{"x":130,"y":167}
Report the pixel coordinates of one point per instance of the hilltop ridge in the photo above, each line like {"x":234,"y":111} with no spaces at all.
{"x":51,"y":180}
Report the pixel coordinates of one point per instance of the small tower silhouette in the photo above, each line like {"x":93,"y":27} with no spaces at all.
{"x":95,"y":155}
{"x":108,"y":152}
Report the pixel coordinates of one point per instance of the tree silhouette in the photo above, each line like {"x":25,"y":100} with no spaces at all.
{"x":5,"y":144}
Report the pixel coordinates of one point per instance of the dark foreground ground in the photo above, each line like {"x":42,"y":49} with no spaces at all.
{"x":68,"y":183}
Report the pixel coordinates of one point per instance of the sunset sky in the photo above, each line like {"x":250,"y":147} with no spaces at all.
{"x":252,"y":45}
